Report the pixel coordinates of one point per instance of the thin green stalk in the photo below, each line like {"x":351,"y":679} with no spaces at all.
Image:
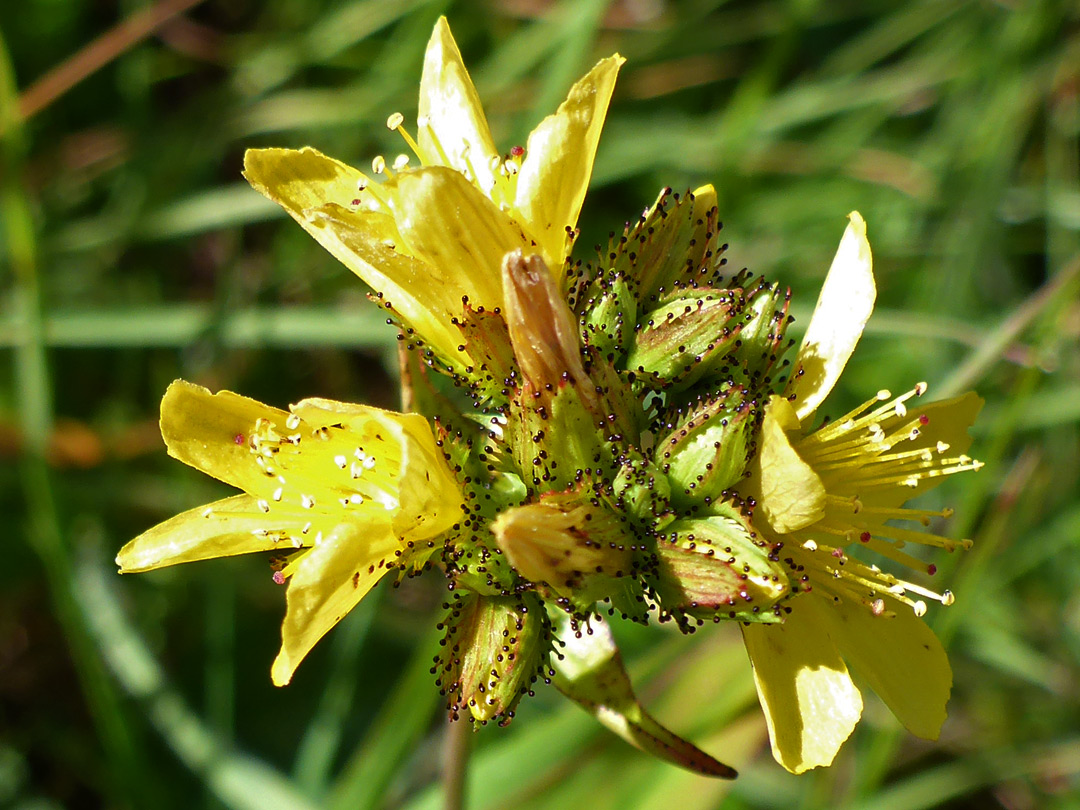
{"x":458,"y":746}
{"x":399,"y":726}
{"x":34,"y":402}
{"x":322,"y":740}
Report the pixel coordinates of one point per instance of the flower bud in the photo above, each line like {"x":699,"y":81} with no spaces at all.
{"x":574,"y":545}
{"x":717,"y":568}
{"x":492,"y":652}
{"x":686,"y":339}
{"x":610,"y":310}
{"x":671,"y":247}
{"x":765,"y":319}
{"x":542,"y":328}
{"x":643,"y":491}
{"x":709,"y":446}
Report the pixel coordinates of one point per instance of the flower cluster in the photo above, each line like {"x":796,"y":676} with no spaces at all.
{"x":623,"y":437}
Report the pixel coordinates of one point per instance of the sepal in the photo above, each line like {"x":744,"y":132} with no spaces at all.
{"x":709,"y":445}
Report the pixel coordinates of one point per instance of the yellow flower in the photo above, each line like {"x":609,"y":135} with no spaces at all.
{"x":350,"y":492}
{"x":426,"y":238}
{"x":822,"y":492}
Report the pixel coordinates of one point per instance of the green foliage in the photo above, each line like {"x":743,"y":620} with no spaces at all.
{"x":131,"y":253}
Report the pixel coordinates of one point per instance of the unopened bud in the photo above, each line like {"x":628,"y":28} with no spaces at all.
{"x":577,"y":547}
{"x":610,"y":310}
{"x":708,"y":448}
{"x":542,"y":328}
{"x":683,"y":340}
{"x":643,"y":491}
{"x":491,"y":653}
{"x":717,"y":568}
{"x":671,"y":247}
{"x":764,"y":324}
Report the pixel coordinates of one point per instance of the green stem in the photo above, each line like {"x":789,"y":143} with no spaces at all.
{"x":458,"y":744}
{"x":34,"y":400}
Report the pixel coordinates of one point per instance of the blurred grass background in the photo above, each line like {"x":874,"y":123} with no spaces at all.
{"x":132,"y":253}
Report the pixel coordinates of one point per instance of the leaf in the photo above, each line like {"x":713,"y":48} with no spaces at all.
{"x":590,"y":672}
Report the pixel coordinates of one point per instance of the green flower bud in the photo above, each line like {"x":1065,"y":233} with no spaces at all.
{"x":642,"y":490}
{"x":709,"y":445}
{"x":718,"y":568}
{"x":686,"y":339}
{"x":610,"y":311}
{"x":671,"y":247}
{"x":493,"y":650}
{"x":761,"y":341}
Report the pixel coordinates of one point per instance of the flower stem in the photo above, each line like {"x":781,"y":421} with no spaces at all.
{"x":456,"y":763}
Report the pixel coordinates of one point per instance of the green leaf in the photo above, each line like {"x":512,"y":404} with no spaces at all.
{"x":589,"y":671}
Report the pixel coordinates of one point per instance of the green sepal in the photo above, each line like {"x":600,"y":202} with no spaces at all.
{"x":609,"y":312}
{"x":620,"y":405}
{"x":486,"y":337}
{"x":553,"y":436}
{"x":709,"y":445}
{"x":718,"y":567}
{"x":762,"y":338}
{"x":642,"y":490}
{"x":493,"y":650}
{"x":589,"y":670}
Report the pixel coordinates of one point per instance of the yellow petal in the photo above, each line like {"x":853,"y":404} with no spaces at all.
{"x":452,"y":129}
{"x":792,"y":495}
{"x":329,"y":582}
{"x":843,"y":308}
{"x":900,"y":658}
{"x":444,"y":221}
{"x":317,"y":191}
{"x":219,"y":529}
{"x":559,"y":161}
{"x":811,"y":706}
{"x":210,"y":432}
{"x":421,"y":491}
{"x":367,"y":243}
{"x":301,"y":179}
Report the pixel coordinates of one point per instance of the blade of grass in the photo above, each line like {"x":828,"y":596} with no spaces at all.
{"x":35,"y":409}
{"x":240,"y":781}
{"x":1054,"y":294}
{"x":99,"y":53}
{"x":402,"y":721}
{"x":322,"y":739}
{"x":362,"y":327}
